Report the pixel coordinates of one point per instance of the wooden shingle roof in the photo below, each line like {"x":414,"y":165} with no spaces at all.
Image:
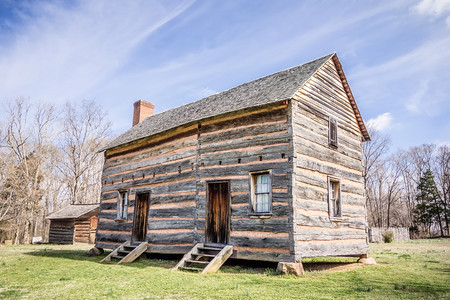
{"x":73,"y":211}
{"x":269,"y":89}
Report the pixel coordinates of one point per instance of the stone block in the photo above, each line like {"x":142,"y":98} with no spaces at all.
{"x":290,"y":268}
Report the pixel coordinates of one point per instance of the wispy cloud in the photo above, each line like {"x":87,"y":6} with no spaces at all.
{"x":62,"y":52}
{"x":432,"y":7}
{"x":381,"y":122}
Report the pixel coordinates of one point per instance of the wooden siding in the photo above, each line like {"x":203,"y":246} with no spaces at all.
{"x":315,"y":233}
{"x":177,"y":170}
{"x":61,"y":231}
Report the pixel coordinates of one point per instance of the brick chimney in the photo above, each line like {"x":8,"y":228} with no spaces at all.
{"x":142,"y":110}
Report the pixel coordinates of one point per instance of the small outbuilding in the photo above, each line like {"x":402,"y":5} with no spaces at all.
{"x":74,"y":223}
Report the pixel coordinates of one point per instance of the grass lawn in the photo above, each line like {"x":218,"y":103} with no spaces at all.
{"x":410,"y":270}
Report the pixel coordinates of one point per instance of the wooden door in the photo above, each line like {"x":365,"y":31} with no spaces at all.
{"x":140,"y":217}
{"x":218,"y":213}
{"x":92,"y":229}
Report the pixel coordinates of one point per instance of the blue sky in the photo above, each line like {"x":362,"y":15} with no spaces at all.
{"x":396,"y":54}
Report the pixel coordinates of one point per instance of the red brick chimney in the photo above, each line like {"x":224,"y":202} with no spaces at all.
{"x":142,"y":110}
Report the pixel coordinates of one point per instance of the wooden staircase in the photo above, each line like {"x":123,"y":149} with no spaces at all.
{"x":205,"y":259}
{"x":126,"y":253}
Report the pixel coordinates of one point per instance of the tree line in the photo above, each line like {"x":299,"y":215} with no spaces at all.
{"x":407,"y":188}
{"x":49,"y":158}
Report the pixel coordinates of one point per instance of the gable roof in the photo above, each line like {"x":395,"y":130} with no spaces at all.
{"x":269,"y":89}
{"x":73,"y":211}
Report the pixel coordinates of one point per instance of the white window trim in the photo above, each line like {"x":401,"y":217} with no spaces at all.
{"x":331,"y":204}
{"x":123,"y":203}
{"x":252,"y":194}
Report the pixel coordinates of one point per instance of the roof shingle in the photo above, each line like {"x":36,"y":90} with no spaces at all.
{"x":272,"y":88}
{"x":73,"y":211}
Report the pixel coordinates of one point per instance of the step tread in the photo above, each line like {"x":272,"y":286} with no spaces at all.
{"x":117,"y":257}
{"x":210,"y":248}
{"x":204,"y":254}
{"x":203,"y":262}
{"x":192,"y":269}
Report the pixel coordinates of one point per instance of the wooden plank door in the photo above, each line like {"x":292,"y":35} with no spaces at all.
{"x":218,"y":213}
{"x":92,"y":229}
{"x":140,"y":217}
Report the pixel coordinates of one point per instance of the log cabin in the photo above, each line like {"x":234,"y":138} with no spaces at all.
{"x":272,"y":167}
{"x":74,"y":223}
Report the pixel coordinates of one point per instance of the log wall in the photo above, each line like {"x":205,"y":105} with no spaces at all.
{"x":176,"y":168}
{"x":61,"y":231}
{"x":315,"y":232}
{"x":83,"y":230}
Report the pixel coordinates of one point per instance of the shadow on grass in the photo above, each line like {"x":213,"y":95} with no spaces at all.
{"x":82,"y":255}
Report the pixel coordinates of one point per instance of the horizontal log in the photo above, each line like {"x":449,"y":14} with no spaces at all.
{"x":314,"y":249}
{"x":173,"y":179}
{"x":244,"y":132}
{"x":324,"y":168}
{"x":258,"y":140}
{"x":239,"y":120}
{"x":260,"y":242}
{"x":326,"y":222}
{"x":112,"y":237}
{"x":172,"y":249}
{"x":329,"y":235}
{"x":269,"y":225}
{"x":277,"y":211}
{"x":176,"y":238}
{"x":263,"y":256}
{"x":115,"y":226}
{"x":171,"y":224}
{"x":172,"y":212}
{"x":161,"y":171}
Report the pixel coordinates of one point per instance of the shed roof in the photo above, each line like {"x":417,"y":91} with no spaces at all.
{"x":73,"y":211}
{"x":269,"y":89}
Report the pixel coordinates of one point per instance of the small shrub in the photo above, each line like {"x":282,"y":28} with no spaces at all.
{"x":388,"y":236}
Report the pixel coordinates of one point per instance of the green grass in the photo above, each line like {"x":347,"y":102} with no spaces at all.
{"x":410,"y":270}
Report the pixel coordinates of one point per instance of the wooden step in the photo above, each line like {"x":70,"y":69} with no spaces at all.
{"x":209,"y":249}
{"x":211,"y":266}
{"x":204,"y":254}
{"x":119,"y":257}
{"x":126,"y":253}
{"x":192,"y":269}
{"x":202,"y":262}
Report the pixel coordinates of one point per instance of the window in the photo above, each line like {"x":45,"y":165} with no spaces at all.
{"x":122,"y":205}
{"x":334,"y":197}
{"x":332,"y":132}
{"x":261,"y":192}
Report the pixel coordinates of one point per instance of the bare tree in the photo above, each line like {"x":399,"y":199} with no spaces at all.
{"x":86,"y":131}
{"x":27,"y":135}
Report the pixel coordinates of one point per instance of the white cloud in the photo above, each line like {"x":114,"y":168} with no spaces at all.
{"x":381,"y":122}
{"x":433,"y":7}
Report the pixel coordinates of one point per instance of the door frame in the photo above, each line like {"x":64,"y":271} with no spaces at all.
{"x":208,"y":206}
{"x":133,"y":232}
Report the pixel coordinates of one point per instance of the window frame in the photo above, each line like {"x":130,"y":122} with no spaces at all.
{"x":123,"y":202}
{"x":331,"y":202}
{"x":332,"y":135}
{"x":252,"y":195}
